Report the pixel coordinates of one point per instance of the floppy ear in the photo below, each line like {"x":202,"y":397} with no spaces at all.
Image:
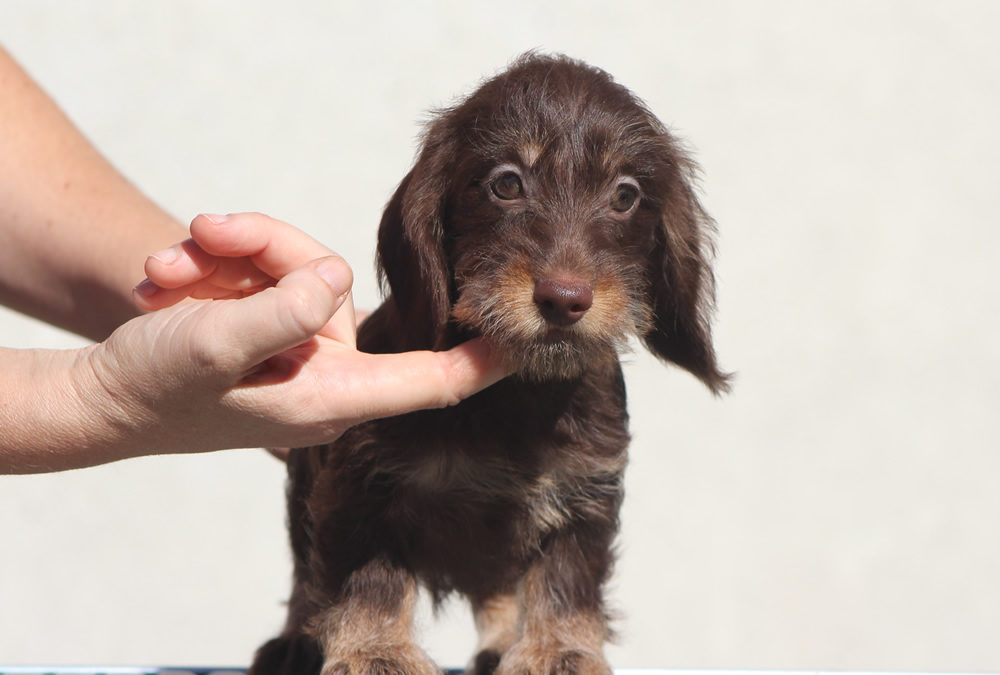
{"x":411,"y":256}
{"x":681,"y":281}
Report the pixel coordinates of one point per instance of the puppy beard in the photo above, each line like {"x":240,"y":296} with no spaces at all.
{"x":552,"y":359}
{"x":501,"y":308}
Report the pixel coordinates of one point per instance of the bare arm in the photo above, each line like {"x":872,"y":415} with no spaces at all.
{"x":270,"y":361}
{"x":73,"y":231}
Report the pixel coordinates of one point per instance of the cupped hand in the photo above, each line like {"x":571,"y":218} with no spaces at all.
{"x":233,"y":256}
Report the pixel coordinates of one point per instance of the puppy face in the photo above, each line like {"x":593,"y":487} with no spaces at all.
{"x":552,"y":213}
{"x":548,"y":241}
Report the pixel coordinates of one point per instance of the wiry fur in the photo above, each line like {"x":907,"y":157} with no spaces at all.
{"x":511,"y":497}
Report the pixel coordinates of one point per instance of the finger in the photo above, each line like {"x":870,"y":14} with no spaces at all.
{"x":150,"y":297}
{"x":274,"y":246}
{"x":179,"y":265}
{"x":280,"y":453}
{"x":262,"y":325}
{"x":411,"y":381}
{"x":186,"y":263}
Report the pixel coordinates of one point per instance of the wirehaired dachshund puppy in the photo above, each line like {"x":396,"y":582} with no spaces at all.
{"x":553,"y":214}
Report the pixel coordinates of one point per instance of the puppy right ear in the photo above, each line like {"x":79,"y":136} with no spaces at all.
{"x":682,"y":285}
{"x":412,"y":265}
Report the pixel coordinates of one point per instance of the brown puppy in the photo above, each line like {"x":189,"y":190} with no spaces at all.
{"x":553,"y":214}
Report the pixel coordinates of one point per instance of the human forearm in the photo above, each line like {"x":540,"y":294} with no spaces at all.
{"x":73,"y":231}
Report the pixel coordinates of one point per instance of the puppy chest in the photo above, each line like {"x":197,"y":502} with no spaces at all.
{"x":532,"y":497}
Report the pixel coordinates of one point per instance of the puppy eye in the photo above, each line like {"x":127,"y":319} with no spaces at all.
{"x":507,"y":186}
{"x":625,"y":197}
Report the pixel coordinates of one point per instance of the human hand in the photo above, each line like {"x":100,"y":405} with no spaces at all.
{"x":271,"y":361}
{"x":232,"y":257}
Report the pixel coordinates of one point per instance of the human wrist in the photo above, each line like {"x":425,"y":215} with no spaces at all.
{"x":52,"y":413}
{"x":113,"y":417}
{"x":134,"y":408}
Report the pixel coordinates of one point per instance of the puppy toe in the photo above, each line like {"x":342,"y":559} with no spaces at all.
{"x":549,"y":662}
{"x":288,"y":655}
{"x":382,"y":665}
{"x":485,"y":663}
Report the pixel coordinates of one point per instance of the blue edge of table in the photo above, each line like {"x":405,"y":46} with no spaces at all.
{"x":239,"y":670}
{"x":188,"y":670}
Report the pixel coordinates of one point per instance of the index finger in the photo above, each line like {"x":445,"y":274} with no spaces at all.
{"x":408,"y":381}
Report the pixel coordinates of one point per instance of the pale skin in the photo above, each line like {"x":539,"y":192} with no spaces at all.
{"x":249,"y":339}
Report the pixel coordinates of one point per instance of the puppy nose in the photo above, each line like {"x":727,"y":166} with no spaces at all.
{"x":563,"y":302}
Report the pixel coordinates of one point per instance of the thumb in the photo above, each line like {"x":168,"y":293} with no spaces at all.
{"x":288,"y":314}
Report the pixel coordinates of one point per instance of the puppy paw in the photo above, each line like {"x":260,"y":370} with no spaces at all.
{"x":390,"y":662}
{"x":485,"y":663}
{"x":552,"y":662}
{"x":295,"y":654}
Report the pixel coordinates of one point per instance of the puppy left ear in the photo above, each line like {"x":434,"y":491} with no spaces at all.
{"x":682,"y":284}
{"x":411,"y":256}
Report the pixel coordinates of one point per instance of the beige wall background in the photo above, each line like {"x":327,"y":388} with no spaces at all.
{"x":839,"y":510}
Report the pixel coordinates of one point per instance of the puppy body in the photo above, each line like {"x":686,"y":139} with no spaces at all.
{"x":551,"y":213}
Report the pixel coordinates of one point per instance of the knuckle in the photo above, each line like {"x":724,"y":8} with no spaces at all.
{"x":300,"y":312}
{"x":208,"y":354}
{"x":450,"y":386}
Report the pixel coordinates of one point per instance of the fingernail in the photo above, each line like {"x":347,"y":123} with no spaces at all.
{"x":145,"y":288}
{"x":166,"y":256}
{"x":337,"y":274}
{"x":216,"y":218}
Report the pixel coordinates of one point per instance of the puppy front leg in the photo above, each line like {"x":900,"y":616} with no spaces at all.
{"x":369,"y":631}
{"x":563,"y":625}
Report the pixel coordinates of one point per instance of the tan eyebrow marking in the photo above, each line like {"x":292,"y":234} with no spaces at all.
{"x":530,"y":153}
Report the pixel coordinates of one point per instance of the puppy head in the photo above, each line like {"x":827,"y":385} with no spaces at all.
{"x":552,"y":213}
